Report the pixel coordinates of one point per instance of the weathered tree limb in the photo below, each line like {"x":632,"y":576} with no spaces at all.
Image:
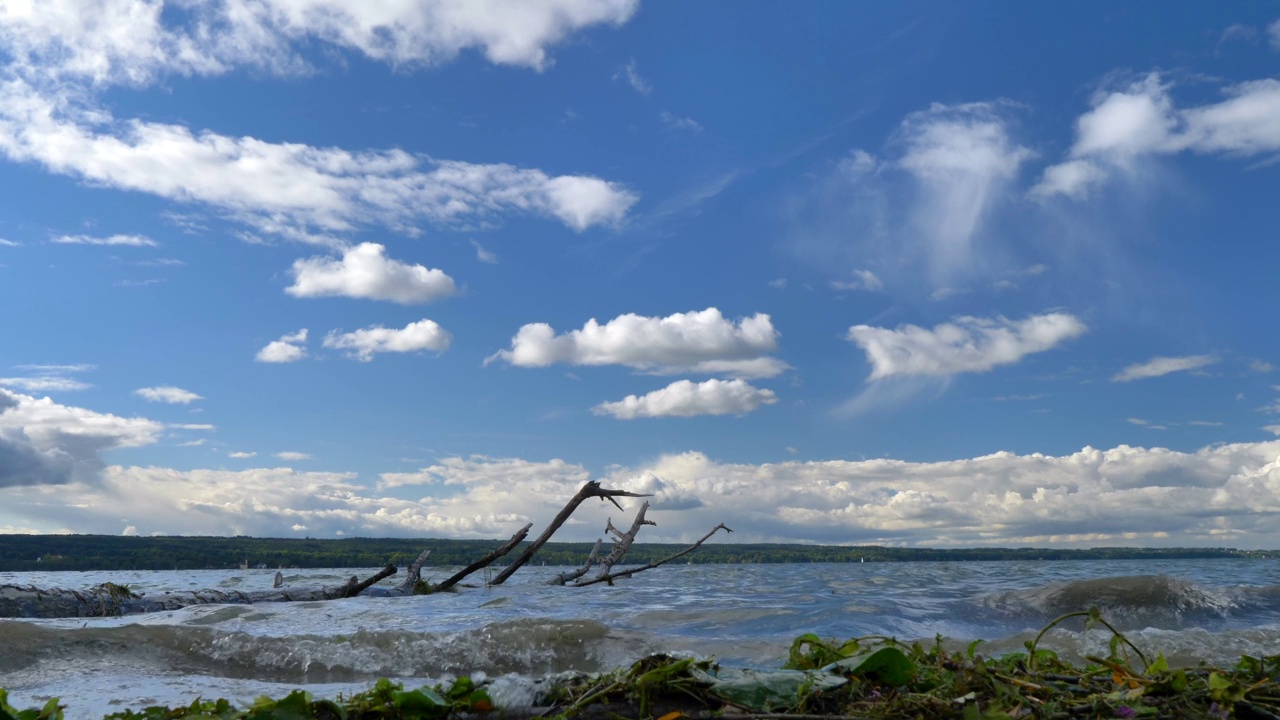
{"x":109,"y":599}
{"x":623,"y":540}
{"x":386,"y":572}
{"x":565,"y":577}
{"x":628,"y":573}
{"x":589,"y":490}
{"x":414,"y":574}
{"x":484,"y":561}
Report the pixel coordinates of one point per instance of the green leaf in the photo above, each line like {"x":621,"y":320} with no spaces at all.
{"x":889,"y":665}
{"x":1217,"y":682}
{"x":973,"y":648}
{"x":422,"y":703}
{"x":51,"y":710}
{"x":1159,"y":666}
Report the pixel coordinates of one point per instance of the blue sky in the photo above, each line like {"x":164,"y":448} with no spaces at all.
{"x":911,"y":273}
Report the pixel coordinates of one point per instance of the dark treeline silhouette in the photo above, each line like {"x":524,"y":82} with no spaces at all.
{"x":114,"y":552}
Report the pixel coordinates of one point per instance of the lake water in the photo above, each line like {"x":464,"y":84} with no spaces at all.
{"x":740,"y":614}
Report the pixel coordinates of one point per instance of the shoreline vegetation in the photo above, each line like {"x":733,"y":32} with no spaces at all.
{"x":869,"y":677}
{"x":27,"y":553}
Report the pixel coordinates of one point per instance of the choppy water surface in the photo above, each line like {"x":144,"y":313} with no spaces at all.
{"x":741,"y":614}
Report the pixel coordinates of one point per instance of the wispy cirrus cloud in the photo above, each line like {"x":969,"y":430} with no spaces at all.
{"x":139,"y":41}
{"x":1159,"y":366}
{"x":298,"y":191}
{"x":64,"y":53}
{"x":111,"y":240}
{"x":45,"y":383}
{"x":920,"y":211}
{"x":630,"y":74}
{"x":167,"y":394}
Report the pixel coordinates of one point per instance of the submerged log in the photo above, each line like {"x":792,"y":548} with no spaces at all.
{"x":110,"y":600}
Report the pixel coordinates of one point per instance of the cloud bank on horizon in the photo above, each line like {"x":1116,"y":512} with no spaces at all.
{"x":326,"y":268}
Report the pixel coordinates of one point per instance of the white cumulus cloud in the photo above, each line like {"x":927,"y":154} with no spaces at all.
{"x":290,"y":455}
{"x":1120,"y":496}
{"x":1157,"y":366}
{"x":364,"y":271}
{"x":167,"y":394}
{"x":699,"y":341}
{"x":289,"y":348}
{"x":964,"y":345}
{"x":44,"y":442}
{"x":685,"y":398}
{"x":1142,"y":120}
{"x":365,"y":343}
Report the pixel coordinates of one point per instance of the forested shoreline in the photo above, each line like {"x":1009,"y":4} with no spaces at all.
{"x":115,"y":552}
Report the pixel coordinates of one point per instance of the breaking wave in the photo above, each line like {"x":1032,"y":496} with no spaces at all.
{"x":526,"y":647}
{"x":1135,"y":601}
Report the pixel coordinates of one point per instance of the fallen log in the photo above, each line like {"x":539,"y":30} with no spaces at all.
{"x":110,"y":600}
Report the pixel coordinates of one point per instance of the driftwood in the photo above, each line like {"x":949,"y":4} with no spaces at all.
{"x":565,"y":577}
{"x":622,"y":540}
{"x":609,"y":578}
{"x":484,"y":561}
{"x":109,"y":599}
{"x":414,"y":574}
{"x":589,"y":490}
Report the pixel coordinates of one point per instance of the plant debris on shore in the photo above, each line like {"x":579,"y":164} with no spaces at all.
{"x":869,"y":677}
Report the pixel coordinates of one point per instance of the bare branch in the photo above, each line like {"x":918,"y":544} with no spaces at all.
{"x":623,"y":542}
{"x":589,"y":490}
{"x":628,"y":573}
{"x":565,"y":577}
{"x":354,"y":588}
{"x":484,"y":561}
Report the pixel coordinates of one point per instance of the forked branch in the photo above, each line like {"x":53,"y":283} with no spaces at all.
{"x":565,"y":577}
{"x":589,"y":490}
{"x":628,"y":573}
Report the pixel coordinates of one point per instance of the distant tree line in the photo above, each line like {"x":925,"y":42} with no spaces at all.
{"x":115,"y":552}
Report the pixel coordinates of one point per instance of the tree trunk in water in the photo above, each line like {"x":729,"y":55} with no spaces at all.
{"x":109,"y":599}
